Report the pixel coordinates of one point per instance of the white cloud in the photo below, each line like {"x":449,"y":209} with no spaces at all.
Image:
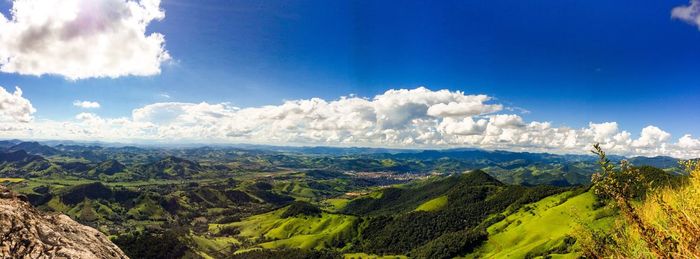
{"x":507,"y":120}
{"x":81,"y":39}
{"x":14,"y":108}
{"x":474,"y":105}
{"x":396,"y":118}
{"x":689,"y":13}
{"x":651,"y":136}
{"x":602,"y":132}
{"x":86,"y":116}
{"x":466,"y":126}
{"x":86,"y":104}
{"x":688,"y":142}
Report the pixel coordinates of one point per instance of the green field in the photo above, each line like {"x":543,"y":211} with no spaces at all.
{"x":336,"y":204}
{"x":11,"y":180}
{"x":541,"y":228}
{"x":368,"y":256}
{"x":205,"y":246}
{"x":306,"y":232}
{"x":434,"y":204}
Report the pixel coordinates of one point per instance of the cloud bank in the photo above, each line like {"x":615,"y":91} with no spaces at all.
{"x":80,"y":39}
{"x":407,"y":118}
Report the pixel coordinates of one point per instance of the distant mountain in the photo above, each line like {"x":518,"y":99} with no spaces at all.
{"x":172,"y":168}
{"x":20,"y":163}
{"x":522,"y":168}
{"x":35,"y":148}
{"x":494,"y":156}
{"x":5,"y":144}
{"x":109,"y":167}
{"x":658,"y":161}
{"x":76,"y":148}
{"x":17,"y":156}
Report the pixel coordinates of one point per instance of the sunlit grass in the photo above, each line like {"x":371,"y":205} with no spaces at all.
{"x":270,"y":230}
{"x":541,"y":228}
{"x":11,"y":180}
{"x":434,"y":204}
{"x":370,"y":256}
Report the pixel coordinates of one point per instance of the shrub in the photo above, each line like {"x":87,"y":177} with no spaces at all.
{"x":301,"y":208}
{"x":288,"y":253}
{"x":664,"y":225}
{"x":451,"y":244}
{"x":151,"y":245}
{"x":229,"y":219}
{"x":229,"y":231}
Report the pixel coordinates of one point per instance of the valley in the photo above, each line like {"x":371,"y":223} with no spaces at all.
{"x":231,"y":202}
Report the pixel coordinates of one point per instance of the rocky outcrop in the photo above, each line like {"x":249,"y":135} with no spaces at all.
{"x":28,"y":233}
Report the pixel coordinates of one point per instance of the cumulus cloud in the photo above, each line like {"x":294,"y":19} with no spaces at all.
{"x":14,"y":109}
{"x":651,"y":136}
{"x":689,"y":13}
{"x":507,"y":120}
{"x":688,"y":142}
{"x":602,"y":132}
{"x":410,"y":118}
{"x":466,"y":126}
{"x":86,"y":104}
{"x":81,"y":39}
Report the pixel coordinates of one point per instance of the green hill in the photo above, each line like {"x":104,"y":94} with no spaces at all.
{"x":406,"y":198}
{"x":273,"y":230}
{"x":544,"y":228}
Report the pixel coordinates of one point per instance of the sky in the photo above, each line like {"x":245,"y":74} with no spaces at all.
{"x":552,"y":76}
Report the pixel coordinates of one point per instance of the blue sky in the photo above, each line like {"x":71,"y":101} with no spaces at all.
{"x":568,"y":62}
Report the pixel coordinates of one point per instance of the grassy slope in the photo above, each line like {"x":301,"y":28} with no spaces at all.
{"x":11,"y":180}
{"x":541,"y":228}
{"x":335,"y":204}
{"x":298,"y":190}
{"x":212,"y":245}
{"x":434,"y":204}
{"x":148,"y":208}
{"x":408,"y":197}
{"x":300,"y":232}
{"x":368,"y":256}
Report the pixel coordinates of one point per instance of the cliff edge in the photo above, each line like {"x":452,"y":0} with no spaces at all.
{"x":28,"y":233}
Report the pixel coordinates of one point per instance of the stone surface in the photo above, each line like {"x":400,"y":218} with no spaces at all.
{"x":28,"y":233}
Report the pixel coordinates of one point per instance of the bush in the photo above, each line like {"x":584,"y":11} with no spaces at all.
{"x":664,"y":225}
{"x":78,"y":193}
{"x":229,"y":231}
{"x":229,"y":219}
{"x":451,"y":244}
{"x":151,"y":245}
{"x":288,"y":253}
{"x":301,"y":208}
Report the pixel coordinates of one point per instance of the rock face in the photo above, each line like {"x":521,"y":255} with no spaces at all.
{"x":28,"y":233}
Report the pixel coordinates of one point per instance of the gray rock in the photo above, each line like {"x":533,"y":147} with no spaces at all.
{"x":28,"y":233}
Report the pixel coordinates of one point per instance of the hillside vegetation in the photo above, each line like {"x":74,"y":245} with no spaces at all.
{"x":544,"y":228}
{"x":249,"y":203}
{"x":279,"y":229}
{"x":665,"y":224}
